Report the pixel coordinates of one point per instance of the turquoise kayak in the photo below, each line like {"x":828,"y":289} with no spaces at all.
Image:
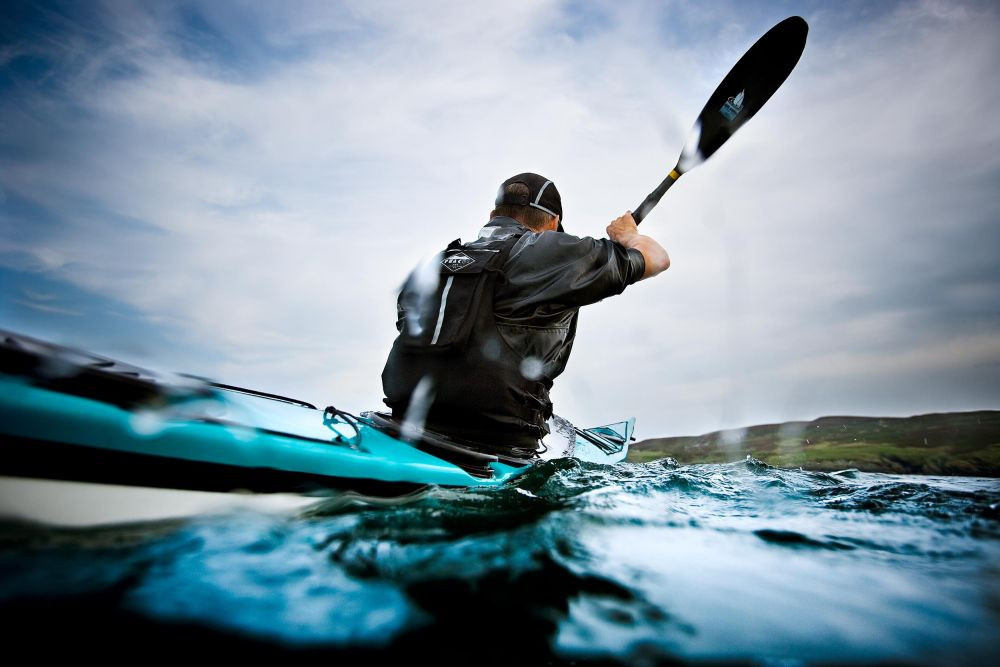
{"x":70,"y":415}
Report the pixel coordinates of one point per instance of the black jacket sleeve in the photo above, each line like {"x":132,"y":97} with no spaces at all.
{"x":552,"y":271}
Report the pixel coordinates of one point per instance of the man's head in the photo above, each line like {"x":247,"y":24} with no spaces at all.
{"x":530,"y":199}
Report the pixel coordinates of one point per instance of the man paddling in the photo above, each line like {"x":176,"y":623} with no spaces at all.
{"x":486,"y":328}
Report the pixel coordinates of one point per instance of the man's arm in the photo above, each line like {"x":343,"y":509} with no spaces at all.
{"x":623,"y":230}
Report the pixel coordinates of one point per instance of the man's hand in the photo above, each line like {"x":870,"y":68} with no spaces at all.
{"x":623,"y":230}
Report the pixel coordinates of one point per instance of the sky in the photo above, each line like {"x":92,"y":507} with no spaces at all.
{"x":238,"y":189}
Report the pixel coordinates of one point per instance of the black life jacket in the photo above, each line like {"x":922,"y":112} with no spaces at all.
{"x":472,"y":380}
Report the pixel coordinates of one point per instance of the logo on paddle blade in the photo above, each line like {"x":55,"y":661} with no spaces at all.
{"x":733,"y":106}
{"x":457,"y":261}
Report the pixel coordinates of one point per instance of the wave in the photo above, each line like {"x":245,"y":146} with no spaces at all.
{"x":572,"y":562}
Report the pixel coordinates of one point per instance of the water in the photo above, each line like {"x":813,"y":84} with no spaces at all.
{"x":632,"y":563}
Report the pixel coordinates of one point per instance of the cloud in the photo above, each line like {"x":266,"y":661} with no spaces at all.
{"x":257,"y":179}
{"x":44,"y":307}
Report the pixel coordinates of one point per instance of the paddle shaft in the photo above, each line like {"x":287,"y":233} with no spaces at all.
{"x":654,"y":197}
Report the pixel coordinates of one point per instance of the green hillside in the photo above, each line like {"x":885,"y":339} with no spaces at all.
{"x":957,"y":443}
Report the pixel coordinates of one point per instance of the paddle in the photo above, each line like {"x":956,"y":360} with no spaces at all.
{"x":751,"y":82}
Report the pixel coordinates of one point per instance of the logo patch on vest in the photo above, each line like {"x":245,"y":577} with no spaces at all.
{"x":457,"y":261}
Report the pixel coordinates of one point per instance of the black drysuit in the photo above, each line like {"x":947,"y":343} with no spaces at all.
{"x":492,"y":333}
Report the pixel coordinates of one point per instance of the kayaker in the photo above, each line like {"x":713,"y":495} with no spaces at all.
{"x":486,"y":327}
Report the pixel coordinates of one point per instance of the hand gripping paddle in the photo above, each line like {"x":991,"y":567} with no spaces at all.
{"x":751,"y":82}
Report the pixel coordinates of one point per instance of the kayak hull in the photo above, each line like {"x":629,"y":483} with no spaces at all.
{"x":52,"y":435}
{"x":98,"y":421}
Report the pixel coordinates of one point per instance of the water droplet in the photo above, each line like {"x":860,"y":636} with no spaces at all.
{"x":241,"y":433}
{"x":146,"y":423}
{"x":733,"y":437}
{"x":491,"y":349}
{"x":531,"y":368}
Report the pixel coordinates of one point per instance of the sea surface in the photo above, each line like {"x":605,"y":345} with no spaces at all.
{"x":575,"y":563}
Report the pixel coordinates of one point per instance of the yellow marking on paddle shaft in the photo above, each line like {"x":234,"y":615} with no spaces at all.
{"x":674,"y":175}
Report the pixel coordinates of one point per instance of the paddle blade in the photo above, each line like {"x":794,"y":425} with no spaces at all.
{"x":751,"y":83}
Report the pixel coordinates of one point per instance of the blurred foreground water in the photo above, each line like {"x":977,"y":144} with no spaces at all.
{"x":632,"y":563}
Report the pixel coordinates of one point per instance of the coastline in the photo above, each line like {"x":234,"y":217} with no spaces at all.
{"x":954,"y":443}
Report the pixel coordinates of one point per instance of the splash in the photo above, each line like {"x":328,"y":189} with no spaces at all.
{"x":416,"y":411}
{"x":561,"y":438}
{"x":423,"y":283}
{"x":691,"y":155}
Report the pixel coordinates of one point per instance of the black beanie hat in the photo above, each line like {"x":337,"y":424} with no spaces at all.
{"x":542,"y":194}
